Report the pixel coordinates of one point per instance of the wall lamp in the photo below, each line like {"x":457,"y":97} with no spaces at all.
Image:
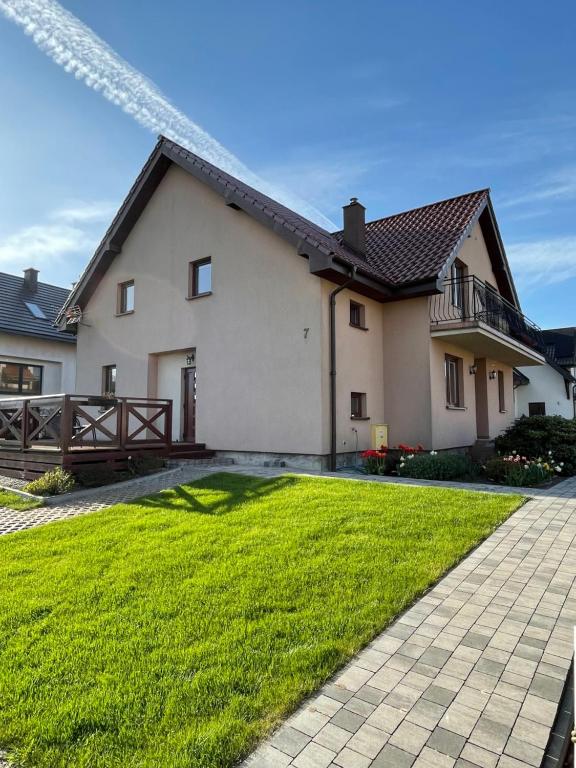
{"x":492,"y":374}
{"x":473,"y":370}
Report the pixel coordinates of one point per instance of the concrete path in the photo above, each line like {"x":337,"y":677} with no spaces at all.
{"x":470,"y":676}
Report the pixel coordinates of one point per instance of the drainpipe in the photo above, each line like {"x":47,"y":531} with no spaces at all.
{"x":332,"y":299}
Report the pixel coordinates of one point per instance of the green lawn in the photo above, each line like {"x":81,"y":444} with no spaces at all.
{"x":173,"y":632}
{"x":15,"y":501}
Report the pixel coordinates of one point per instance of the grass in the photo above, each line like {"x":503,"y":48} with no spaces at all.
{"x":15,"y":501}
{"x":175,"y":631}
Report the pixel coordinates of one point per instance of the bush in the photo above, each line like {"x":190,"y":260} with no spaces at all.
{"x":437,"y":466}
{"x":51,"y":483}
{"x":99,"y":474}
{"x":143,"y":464}
{"x":518,"y":471}
{"x":536,"y":436}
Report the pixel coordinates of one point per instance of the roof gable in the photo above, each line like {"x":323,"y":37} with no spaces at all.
{"x":407,"y":254}
{"x":17,"y":318}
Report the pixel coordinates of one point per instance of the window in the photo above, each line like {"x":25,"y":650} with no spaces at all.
{"x":109,"y":380}
{"x":358,"y":405}
{"x":457,"y":273}
{"x":536,"y":409}
{"x":454,"y":382}
{"x":501,"y":392}
{"x":126,"y":297}
{"x":357,"y":315}
{"x":200,"y":278}
{"x":18,"y":379}
{"x":35,"y":310}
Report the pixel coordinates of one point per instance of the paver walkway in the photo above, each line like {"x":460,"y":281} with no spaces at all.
{"x":470,"y":676}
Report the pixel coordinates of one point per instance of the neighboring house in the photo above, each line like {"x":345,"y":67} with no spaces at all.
{"x":277,"y":338}
{"x":551,"y":389}
{"x":35,"y":357}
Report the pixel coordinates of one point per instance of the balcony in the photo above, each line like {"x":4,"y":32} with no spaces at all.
{"x":472,"y":315}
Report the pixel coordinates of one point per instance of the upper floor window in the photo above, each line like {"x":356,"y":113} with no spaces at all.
{"x":200,"y":277}
{"x":126,"y":297}
{"x":357,"y":315}
{"x":109,"y":380}
{"x":457,"y":274}
{"x":20,"y":379}
{"x":454,"y":383}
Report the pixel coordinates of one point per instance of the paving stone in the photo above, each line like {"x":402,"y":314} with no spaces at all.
{"x":326,"y":705}
{"x":289,"y":740}
{"x":525,"y":752}
{"x":446,"y":742}
{"x":368,"y":740}
{"x":403,"y":697}
{"x":360,"y":707}
{"x":426,"y":713}
{"x":490,"y":667}
{"x":531,"y":732}
{"x":479,"y":756}
{"x":392,"y":757}
{"x":347,"y":758}
{"x":435,"y":657}
{"x":460,"y":719}
{"x":332,"y":737}
{"x":347,"y":720}
{"x":410,"y":737}
{"x":439,"y":695}
{"x":371,"y":695}
{"x":314,"y":756}
{"x":429,"y":758}
{"x":266,"y":756}
{"x":538,"y":709}
{"x":490,"y":735}
{"x":547,"y":687}
{"x":475,"y":640}
{"x":308,"y":721}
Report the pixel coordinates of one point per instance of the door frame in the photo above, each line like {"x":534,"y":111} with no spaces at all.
{"x":184,"y":403}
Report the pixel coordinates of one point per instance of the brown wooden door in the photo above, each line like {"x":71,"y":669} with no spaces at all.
{"x":189,"y":405}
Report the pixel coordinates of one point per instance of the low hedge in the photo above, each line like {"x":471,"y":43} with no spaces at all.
{"x":437,"y":466}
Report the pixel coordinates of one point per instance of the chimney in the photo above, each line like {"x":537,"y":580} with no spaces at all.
{"x":31,"y":279}
{"x":355,"y":226}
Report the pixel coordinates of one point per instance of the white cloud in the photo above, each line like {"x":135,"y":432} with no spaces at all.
{"x":543,"y":262}
{"x":43,"y":245}
{"x":560,"y":185}
{"x":80,"y":52}
{"x":82,"y":212}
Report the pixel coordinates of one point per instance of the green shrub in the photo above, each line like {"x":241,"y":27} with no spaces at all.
{"x":51,"y":483}
{"x":143,"y":464}
{"x":519,"y":471}
{"x":99,"y":474}
{"x":536,"y":436}
{"x":437,"y":466}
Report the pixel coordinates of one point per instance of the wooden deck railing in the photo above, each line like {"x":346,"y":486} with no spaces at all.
{"x":66,"y":422}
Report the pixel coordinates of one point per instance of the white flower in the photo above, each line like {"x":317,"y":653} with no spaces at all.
{"x":561,"y":463}
{"x":433,"y":453}
{"x":549,"y":453}
{"x":558,"y":469}
{"x":513,"y":453}
{"x":410,"y":456}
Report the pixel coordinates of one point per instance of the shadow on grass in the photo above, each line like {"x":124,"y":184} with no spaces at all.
{"x":216,"y":494}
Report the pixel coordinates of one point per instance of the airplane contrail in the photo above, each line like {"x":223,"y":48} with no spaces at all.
{"x":76,"y":48}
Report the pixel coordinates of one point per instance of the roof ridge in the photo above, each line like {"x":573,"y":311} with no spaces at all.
{"x":486,"y":190}
{"x":40,"y":282}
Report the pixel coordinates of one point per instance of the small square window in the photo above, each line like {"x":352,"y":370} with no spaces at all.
{"x":536,"y":409}
{"x":109,"y":380}
{"x":200,"y":278}
{"x":358,"y":405}
{"x":126,"y":297}
{"x":357,"y":315}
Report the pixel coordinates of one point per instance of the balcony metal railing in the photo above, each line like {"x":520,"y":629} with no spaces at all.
{"x":471,"y":300}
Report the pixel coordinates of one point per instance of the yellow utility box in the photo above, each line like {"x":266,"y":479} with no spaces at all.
{"x":379,"y":435}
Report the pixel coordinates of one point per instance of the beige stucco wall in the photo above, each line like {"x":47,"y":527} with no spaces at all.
{"x":451,"y":428}
{"x":475,"y":255}
{"x":259,"y":383}
{"x":407,"y":371}
{"x":359,"y":367}
{"x":58,"y":360}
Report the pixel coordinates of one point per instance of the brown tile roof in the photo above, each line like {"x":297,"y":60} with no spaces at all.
{"x":415,"y":245}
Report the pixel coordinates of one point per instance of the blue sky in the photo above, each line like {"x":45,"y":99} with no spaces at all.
{"x":397,"y":103}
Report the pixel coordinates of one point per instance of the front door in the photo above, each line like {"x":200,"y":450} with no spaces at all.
{"x":189,"y":405}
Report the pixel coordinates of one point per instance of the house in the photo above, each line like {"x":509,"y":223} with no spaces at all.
{"x":277,"y":339}
{"x":35,"y":357}
{"x":551,"y":389}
